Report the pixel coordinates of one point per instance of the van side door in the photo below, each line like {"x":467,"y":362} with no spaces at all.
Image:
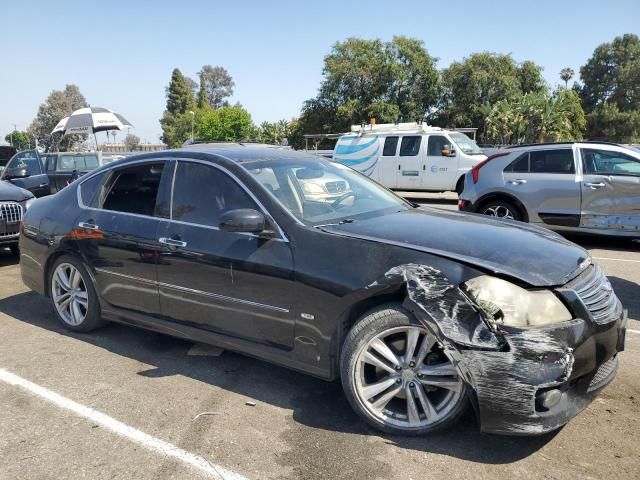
{"x":409,"y":173}
{"x":388,"y":162}
{"x":440,"y":168}
{"x":610,"y":190}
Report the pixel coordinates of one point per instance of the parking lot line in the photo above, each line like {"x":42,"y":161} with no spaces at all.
{"x":616,"y":259}
{"x":137,"y":436}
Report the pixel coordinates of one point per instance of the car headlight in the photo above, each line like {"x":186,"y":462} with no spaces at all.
{"x":313,"y":188}
{"x":507,"y":304}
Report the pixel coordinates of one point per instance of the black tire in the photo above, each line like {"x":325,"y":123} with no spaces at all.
{"x":495,"y":208}
{"x":369,"y":326}
{"x":92,"y":319}
{"x":460,"y":186}
{"x":15,"y":250}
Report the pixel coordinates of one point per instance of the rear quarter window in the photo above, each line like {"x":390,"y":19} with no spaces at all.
{"x":91,"y":190}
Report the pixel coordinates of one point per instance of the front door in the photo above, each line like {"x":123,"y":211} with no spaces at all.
{"x":231,"y":283}
{"x":610,"y":190}
{"x":409,"y":173}
{"x":117,"y":233}
{"x":36,"y":181}
{"x":441,"y":165}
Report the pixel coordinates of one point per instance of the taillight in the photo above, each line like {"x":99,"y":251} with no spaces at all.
{"x":475,"y":171}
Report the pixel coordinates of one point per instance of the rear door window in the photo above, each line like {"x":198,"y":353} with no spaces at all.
{"x":390,"y":147}
{"x":551,"y":161}
{"x":28,"y":160}
{"x":410,"y":146}
{"x":134,"y":189}
{"x":606,"y":162}
{"x":519,"y":165}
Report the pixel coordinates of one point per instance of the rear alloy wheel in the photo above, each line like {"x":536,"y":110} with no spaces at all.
{"x":73,"y":295}
{"x":397,"y":377}
{"x":501,"y":209}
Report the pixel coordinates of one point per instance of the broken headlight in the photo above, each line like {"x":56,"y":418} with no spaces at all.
{"x":507,"y":304}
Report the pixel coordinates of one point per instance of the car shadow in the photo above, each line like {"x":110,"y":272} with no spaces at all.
{"x":627,"y":292}
{"x":604,"y":242}
{"x":7,"y":258}
{"x":314,"y":403}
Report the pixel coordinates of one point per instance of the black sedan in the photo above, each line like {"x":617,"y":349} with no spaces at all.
{"x":418,"y":312}
{"x":14,"y":201}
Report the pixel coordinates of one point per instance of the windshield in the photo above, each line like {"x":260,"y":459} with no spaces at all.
{"x":465,"y":144}
{"x":319,"y":192}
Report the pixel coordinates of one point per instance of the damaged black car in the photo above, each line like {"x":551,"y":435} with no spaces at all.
{"x":308,"y":264}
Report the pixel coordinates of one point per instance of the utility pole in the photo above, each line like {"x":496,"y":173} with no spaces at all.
{"x":193,"y":116}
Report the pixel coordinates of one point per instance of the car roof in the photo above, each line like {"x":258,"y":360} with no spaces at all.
{"x":557,"y":144}
{"x":249,"y":152}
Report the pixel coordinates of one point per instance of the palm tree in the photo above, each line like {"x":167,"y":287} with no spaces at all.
{"x":566,"y":74}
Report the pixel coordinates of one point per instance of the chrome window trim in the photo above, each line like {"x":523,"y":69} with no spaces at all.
{"x":283,"y":237}
{"x":179,"y":288}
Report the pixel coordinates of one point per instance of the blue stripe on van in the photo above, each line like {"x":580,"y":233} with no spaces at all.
{"x":342,"y":149}
{"x":352,"y":162}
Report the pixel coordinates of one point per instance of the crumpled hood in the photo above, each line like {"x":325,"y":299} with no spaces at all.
{"x":531,"y":254}
{"x":10,"y":193}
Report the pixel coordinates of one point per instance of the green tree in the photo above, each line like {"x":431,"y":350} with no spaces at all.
{"x":608,"y":122}
{"x":217,"y":84}
{"x":225,"y":124}
{"x":536,"y":117}
{"x":612,"y":75}
{"x":180,"y":101}
{"x":566,"y":74}
{"x":391,"y":81}
{"x":131,"y":141}
{"x":59,"y":104}
{"x":273,"y":133}
{"x":203,"y":96}
{"x":19,"y":139}
{"x":479,"y":82}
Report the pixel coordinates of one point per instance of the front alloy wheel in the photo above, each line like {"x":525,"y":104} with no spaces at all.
{"x":402,"y":381}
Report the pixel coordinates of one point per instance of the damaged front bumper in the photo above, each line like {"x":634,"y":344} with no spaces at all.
{"x":525,"y":381}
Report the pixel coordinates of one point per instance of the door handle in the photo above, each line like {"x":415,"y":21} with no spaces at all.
{"x":594,"y":186}
{"x":518,"y":181}
{"x":88,"y":226}
{"x":172,"y":242}
{"x":424,"y":167}
{"x":398,"y":167}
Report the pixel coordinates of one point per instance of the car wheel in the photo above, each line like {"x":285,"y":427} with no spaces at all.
{"x":460,"y":186}
{"x":73,"y":295}
{"x":15,"y":250}
{"x":501,"y":209}
{"x":397,"y":377}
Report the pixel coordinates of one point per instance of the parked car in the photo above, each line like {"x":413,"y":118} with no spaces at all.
{"x":14,"y":201}
{"x":416,"y":319}
{"x":409,"y":156}
{"x":582,"y":186}
{"x":44,"y":174}
{"x":6,"y":152}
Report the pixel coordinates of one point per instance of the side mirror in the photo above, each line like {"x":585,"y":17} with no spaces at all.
{"x":242,"y":220}
{"x":448,"y":151}
{"x":16,"y":172}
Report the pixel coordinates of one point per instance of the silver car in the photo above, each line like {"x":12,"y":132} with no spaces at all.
{"x":583,"y":186}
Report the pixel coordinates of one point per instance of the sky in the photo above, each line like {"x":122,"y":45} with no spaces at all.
{"x":121,"y":53}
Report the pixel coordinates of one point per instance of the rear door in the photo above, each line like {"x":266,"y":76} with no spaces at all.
{"x":610,"y":190}
{"x":545,"y":182}
{"x":118,"y":230}
{"x":408,"y":175}
{"x":227,"y":282}
{"x":37,"y":181}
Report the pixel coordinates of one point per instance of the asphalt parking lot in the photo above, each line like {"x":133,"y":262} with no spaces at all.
{"x":125,"y":403}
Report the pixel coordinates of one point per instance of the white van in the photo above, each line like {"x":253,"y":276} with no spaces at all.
{"x":409,"y":156}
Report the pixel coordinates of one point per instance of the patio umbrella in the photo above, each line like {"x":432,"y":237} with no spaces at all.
{"x":91,"y":120}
